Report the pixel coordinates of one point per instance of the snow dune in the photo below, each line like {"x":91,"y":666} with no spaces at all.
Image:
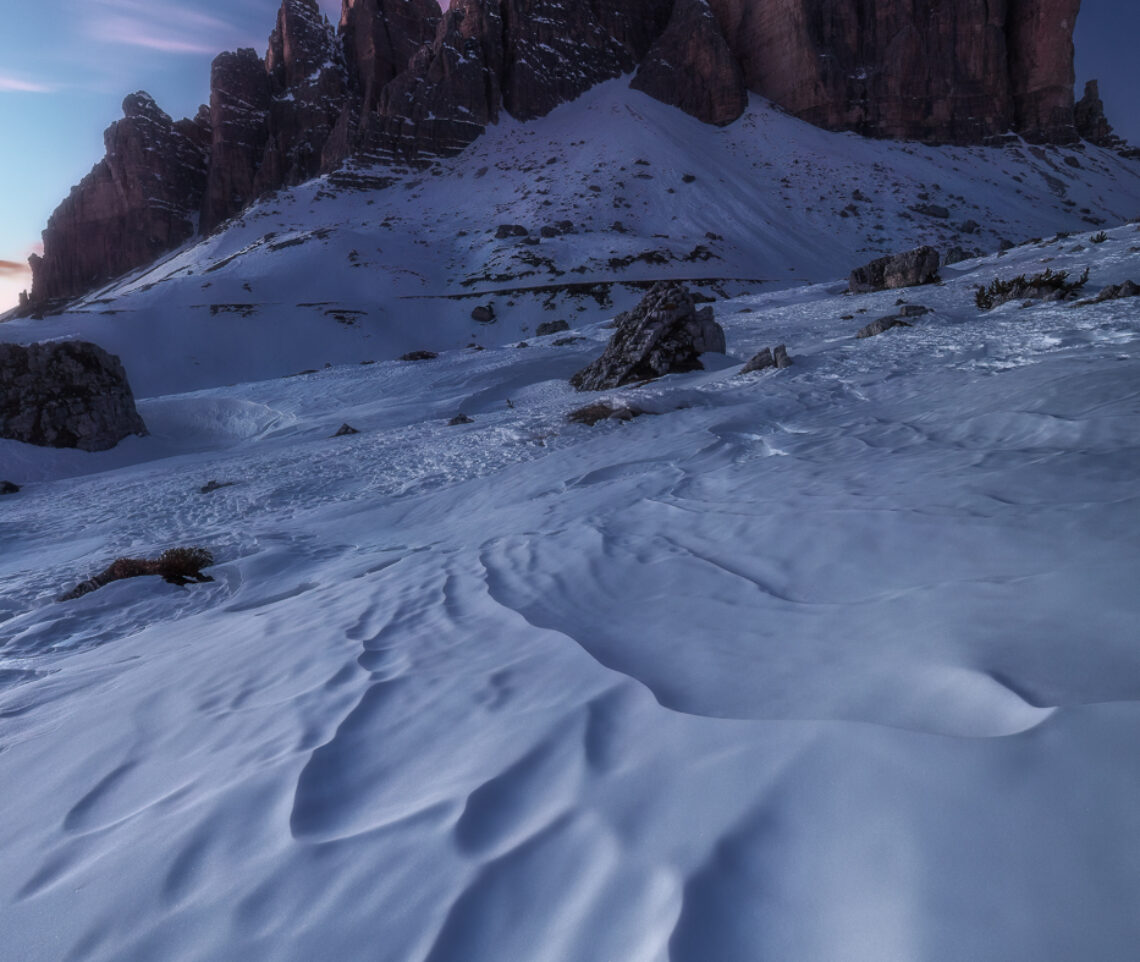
{"x":837,"y":662}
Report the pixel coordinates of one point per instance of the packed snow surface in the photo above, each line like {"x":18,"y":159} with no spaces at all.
{"x":837,"y":663}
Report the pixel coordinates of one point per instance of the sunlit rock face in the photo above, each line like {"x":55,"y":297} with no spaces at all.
{"x":141,"y":199}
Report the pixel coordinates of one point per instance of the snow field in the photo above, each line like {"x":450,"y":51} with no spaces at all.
{"x":837,"y":662}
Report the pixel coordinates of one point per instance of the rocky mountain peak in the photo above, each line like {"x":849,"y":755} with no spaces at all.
{"x":300,"y":45}
{"x":403,"y":80}
{"x":141,"y":106}
{"x":1091,"y":122}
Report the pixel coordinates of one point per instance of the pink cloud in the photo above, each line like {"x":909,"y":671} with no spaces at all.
{"x":166,"y":28}
{"x":21,"y":85}
{"x":13,"y":269}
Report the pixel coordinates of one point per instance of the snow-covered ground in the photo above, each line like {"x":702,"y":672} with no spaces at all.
{"x":337,"y":274}
{"x":830,"y":664}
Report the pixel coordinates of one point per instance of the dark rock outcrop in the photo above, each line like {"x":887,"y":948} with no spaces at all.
{"x":380,"y":37}
{"x":7,"y":487}
{"x":945,"y":71}
{"x":239,"y":119}
{"x":450,"y":92}
{"x":138,"y":202}
{"x":1114,"y":292}
{"x":309,"y":90}
{"x":956,"y":254}
{"x":65,"y":394}
{"x":691,"y":67}
{"x":909,"y":269}
{"x":664,"y":334}
{"x":776,"y":357}
{"x":1040,"y":38}
{"x":599,"y":411}
{"x":551,"y":327}
{"x":881,"y":326}
{"x":1092,"y":124}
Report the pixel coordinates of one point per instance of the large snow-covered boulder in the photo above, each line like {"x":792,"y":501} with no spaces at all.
{"x":664,"y":334}
{"x":68,"y":394}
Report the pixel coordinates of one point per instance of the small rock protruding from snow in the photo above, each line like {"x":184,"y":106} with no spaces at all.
{"x":345,"y":430}
{"x":909,"y":269}
{"x":484,"y":314}
{"x":1114,"y":292}
{"x":664,"y":334}
{"x":7,"y":487}
{"x":882,"y":325}
{"x":211,"y":486}
{"x":591,"y":414}
{"x":776,"y":357}
{"x":419,"y":356}
{"x":956,"y":254}
{"x":551,"y":327}
{"x":460,"y":418}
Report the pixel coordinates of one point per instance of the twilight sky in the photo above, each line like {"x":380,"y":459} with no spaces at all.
{"x":65,"y":66}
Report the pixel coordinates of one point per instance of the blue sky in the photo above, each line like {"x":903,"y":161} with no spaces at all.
{"x":65,"y":66}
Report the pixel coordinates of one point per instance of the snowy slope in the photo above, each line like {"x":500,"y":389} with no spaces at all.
{"x":344,"y":269}
{"x":833,"y":663}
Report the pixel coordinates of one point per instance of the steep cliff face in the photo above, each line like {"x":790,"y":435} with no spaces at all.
{"x":554,"y":51}
{"x":380,"y":37}
{"x":239,"y":113}
{"x":691,"y":67}
{"x":308,"y":91}
{"x":449,"y":92}
{"x":943,"y":71}
{"x":522,"y":56}
{"x":140,"y":200}
{"x":1040,"y":36}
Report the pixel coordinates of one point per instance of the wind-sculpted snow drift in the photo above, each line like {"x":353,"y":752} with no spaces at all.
{"x":836,"y":661}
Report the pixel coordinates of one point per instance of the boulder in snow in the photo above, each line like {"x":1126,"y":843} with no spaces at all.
{"x":591,"y":414}
{"x":1115,"y":292}
{"x":664,"y":334}
{"x":551,"y":327}
{"x":882,"y":325}
{"x":68,"y":394}
{"x":919,"y":266}
{"x":776,"y":357}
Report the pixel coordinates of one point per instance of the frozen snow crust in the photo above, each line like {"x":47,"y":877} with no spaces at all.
{"x":837,"y":662}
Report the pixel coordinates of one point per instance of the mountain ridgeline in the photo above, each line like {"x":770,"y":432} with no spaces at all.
{"x":401,"y":81}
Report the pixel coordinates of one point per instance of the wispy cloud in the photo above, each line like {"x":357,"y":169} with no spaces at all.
{"x":11,"y":84}
{"x":156,"y":26}
{"x":13,"y":269}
